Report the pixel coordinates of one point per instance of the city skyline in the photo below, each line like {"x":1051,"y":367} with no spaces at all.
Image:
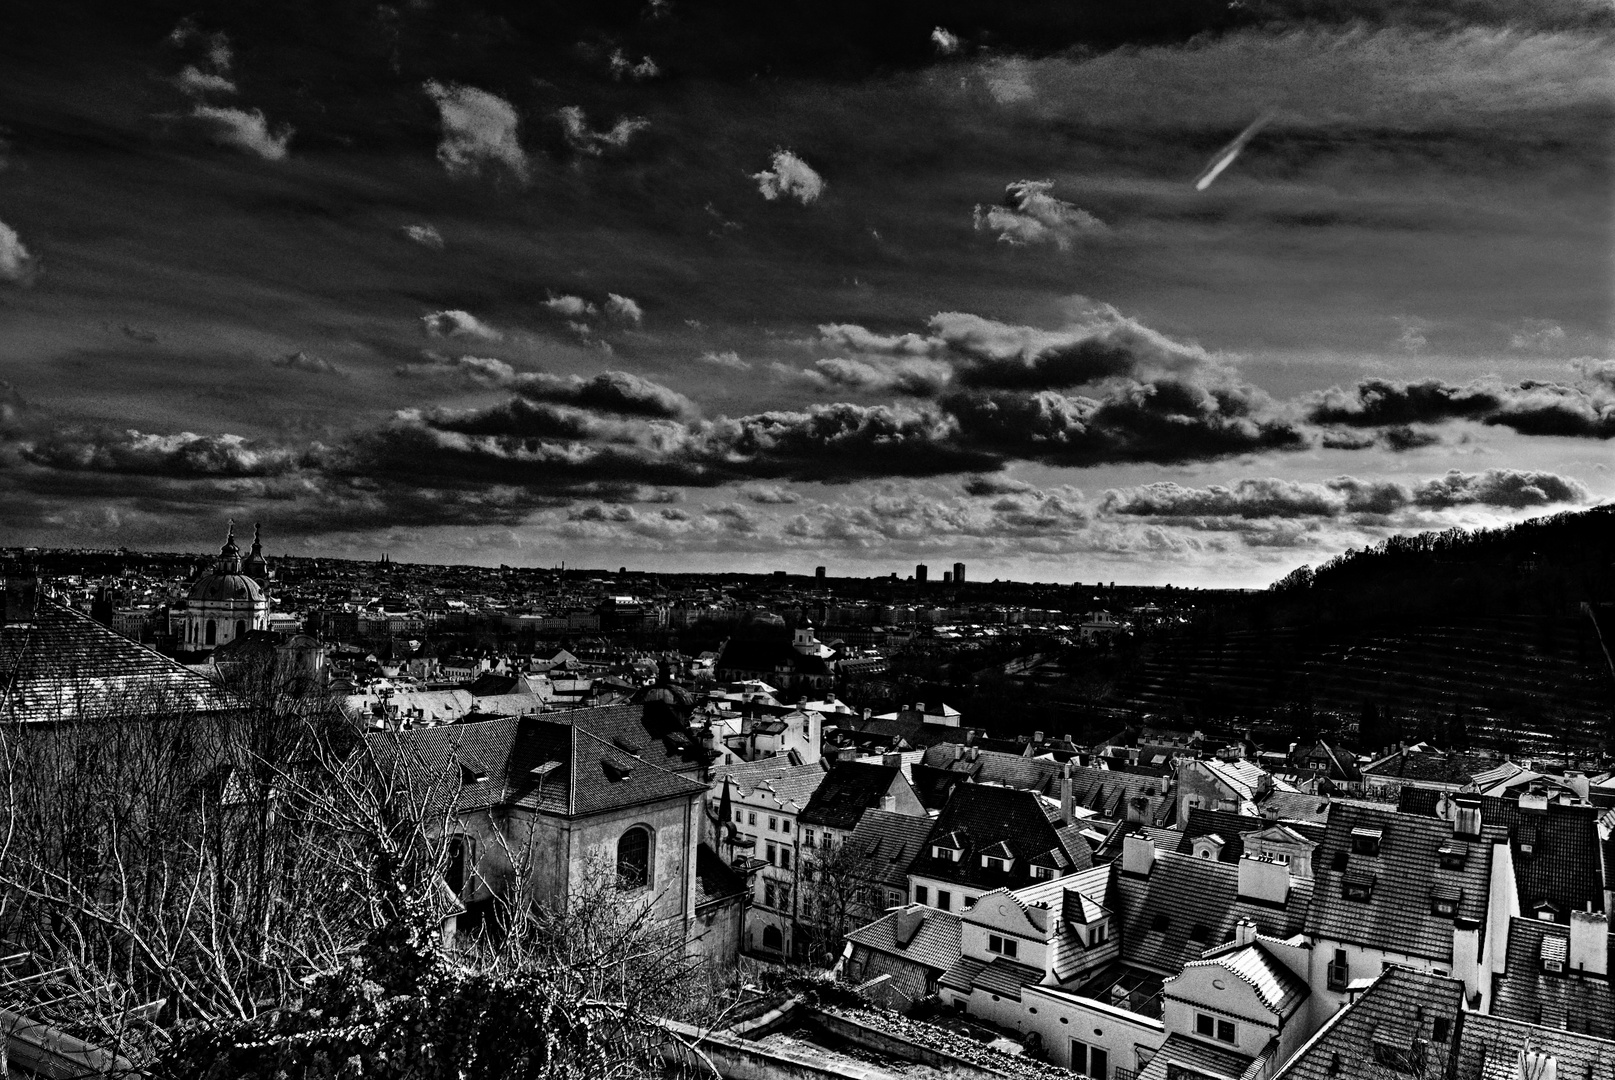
{"x":626,"y":290}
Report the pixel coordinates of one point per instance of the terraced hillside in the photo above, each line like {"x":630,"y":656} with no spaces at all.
{"x":1525,"y":682}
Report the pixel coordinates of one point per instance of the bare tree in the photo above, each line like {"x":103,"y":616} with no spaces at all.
{"x":840,"y":890}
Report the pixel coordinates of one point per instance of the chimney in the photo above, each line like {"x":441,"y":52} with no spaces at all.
{"x":1263,"y":879}
{"x":892,"y":758}
{"x":1068,"y":800}
{"x":1138,"y":854}
{"x":866,"y":717}
{"x":1037,"y":737}
{"x":909,"y":921}
{"x":1466,"y":818}
{"x":1244,"y":932}
{"x":1537,"y":1065}
{"x":1589,"y":942}
{"x":888,"y":803}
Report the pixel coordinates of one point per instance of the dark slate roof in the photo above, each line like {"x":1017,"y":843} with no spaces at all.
{"x":66,"y":666}
{"x":1403,"y":1005}
{"x":563,"y":766}
{"x":934,"y":945}
{"x":765,"y":656}
{"x":1429,"y":766}
{"x":983,"y":815}
{"x":1525,"y":991}
{"x":847,"y":790}
{"x":1197,"y":1060}
{"x":1397,"y":916}
{"x":906,"y":730}
{"x":1564,"y":866}
{"x":786,"y":782}
{"x":998,"y":976}
{"x":1232,"y":827}
{"x":1295,"y":806}
{"x":715,"y":880}
{"x":1489,"y":1049}
{"x":890,"y":842}
{"x":488,"y":684}
{"x":1186,"y":906}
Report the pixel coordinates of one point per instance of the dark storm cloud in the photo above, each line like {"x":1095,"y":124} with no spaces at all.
{"x":611,"y":391}
{"x":1529,"y":407}
{"x":1168,"y":420}
{"x":181,"y":455}
{"x":995,"y":485}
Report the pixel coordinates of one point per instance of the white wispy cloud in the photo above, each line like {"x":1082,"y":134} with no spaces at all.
{"x":245,"y":130}
{"x":580,"y":137}
{"x":729,"y":359}
{"x":573,"y":307}
{"x":425,"y":235}
{"x":790,"y":178}
{"x":16,"y":264}
{"x":196,"y":82}
{"x":479,"y":130}
{"x":458,"y":324}
{"x":1030,"y":214}
{"x":624,"y":309}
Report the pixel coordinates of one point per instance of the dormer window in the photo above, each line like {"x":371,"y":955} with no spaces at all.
{"x":1454,"y":855}
{"x":1098,"y":933}
{"x":990,"y":863}
{"x":1525,"y":839}
{"x":1366,"y":841}
{"x":1444,"y":901}
{"x":1554,"y":951}
{"x":1042,"y":873}
{"x":945,"y":853}
{"x":1358,"y":887}
{"x":470,"y":774}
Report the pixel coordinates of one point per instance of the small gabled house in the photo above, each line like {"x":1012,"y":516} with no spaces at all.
{"x":988,"y":838}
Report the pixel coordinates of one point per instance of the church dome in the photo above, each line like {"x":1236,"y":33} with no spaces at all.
{"x":214,"y":586}
{"x":225,"y":581}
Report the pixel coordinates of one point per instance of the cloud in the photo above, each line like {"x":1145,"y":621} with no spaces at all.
{"x":790,"y":178}
{"x":476,"y":370}
{"x":458,"y":324}
{"x":623,"y":309}
{"x":480,"y":131}
{"x":730,"y":360}
{"x":306,"y":362}
{"x":425,"y":235}
{"x":573,"y":307}
{"x":1031,"y":215}
{"x":1529,"y":407}
{"x":946,"y":43}
{"x":1344,"y":496}
{"x":610,"y":391}
{"x":185,"y":455}
{"x":197,"y":83}
{"x":772,"y":495}
{"x":1412,"y":339}
{"x":245,"y":130}
{"x":575,"y":129}
{"x":858,"y":339}
{"x":16,"y":264}
{"x":1538,"y":336}
{"x":980,"y":486}
{"x":623,"y":68}
{"x":915,"y":376}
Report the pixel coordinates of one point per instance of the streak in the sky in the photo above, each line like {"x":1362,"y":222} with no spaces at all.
{"x":1225,"y":157}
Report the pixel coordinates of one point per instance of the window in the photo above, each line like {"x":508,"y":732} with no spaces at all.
{"x":785,"y":826}
{"x":1204,"y":1025}
{"x":633,"y":858}
{"x":212,"y":632}
{"x":784,"y":894}
{"x":773,"y":824}
{"x":991,"y":863}
{"x":751,"y":817}
{"x":1226,"y":1032}
{"x":241,"y":629}
{"x":739,"y":815}
{"x":1444,"y":900}
{"x":773,"y":940}
{"x":1161,"y":923}
{"x":1358,"y":887}
{"x":893,"y":898}
{"x":768,"y":894}
{"x":807,"y":907}
{"x":944,"y":900}
{"x":824,"y":841}
{"x":1098,"y":932}
{"x":784,"y":858}
{"x":1339,"y":971}
{"x":1040,"y":873}
{"x":770,"y":855}
{"x":1003,"y":946}
{"x":1440,"y":1028}
{"x":921,"y":895}
{"x":970,"y":902}
{"x":1365,"y":841}
{"x":807,"y":837}
{"x":1213,"y":1028}
{"x":1089,"y":1061}
{"x":461,"y":857}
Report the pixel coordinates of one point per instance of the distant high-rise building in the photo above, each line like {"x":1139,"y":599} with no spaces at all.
{"x":818,"y":574}
{"x":958,"y":573}
{"x":947,"y":577}
{"x":921,"y":572}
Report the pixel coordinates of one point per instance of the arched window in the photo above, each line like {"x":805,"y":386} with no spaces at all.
{"x":241,"y":629}
{"x":212,"y":632}
{"x":773,"y":939}
{"x":633,"y":858}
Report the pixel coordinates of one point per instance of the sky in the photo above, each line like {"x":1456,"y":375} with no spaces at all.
{"x":712,"y":286}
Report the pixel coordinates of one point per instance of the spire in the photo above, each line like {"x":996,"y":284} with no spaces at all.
{"x":255,"y":565}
